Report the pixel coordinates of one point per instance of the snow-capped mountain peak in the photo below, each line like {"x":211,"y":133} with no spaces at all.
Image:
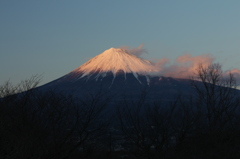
{"x":115,"y":60}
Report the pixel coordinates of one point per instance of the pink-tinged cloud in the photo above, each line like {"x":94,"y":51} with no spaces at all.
{"x":186,"y":66}
{"x":183,"y":67}
{"x":235,"y":72}
{"x":159,"y":64}
{"x":135,"y":51}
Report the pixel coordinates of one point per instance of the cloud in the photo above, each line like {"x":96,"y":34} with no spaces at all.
{"x":236,"y":74}
{"x":135,"y":51}
{"x":183,"y":67}
{"x":186,"y":66}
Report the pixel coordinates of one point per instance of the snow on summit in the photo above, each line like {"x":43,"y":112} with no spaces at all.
{"x":115,"y":60}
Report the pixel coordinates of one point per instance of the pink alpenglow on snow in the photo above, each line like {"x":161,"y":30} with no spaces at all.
{"x":128,"y":61}
{"x":115,"y":60}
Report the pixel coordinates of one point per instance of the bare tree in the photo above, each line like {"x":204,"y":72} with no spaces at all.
{"x":211,"y":115}
{"x":148,"y":128}
{"x":37,"y":124}
{"x":217,"y":96}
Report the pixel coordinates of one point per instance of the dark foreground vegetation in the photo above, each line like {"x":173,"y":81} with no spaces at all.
{"x":49,"y":125}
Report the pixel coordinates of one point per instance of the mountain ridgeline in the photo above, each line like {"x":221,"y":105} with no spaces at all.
{"x":121,"y":74}
{"x":113,"y":107}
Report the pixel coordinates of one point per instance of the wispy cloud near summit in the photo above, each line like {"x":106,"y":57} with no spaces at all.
{"x":184,"y":66}
{"x":135,"y":51}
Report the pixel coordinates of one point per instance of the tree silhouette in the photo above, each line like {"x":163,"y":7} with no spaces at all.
{"x":36,"y":124}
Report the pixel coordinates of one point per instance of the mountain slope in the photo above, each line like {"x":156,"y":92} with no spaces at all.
{"x":115,"y":60}
{"x":119,"y":72}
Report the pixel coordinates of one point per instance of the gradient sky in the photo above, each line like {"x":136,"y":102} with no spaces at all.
{"x":53,"y":37}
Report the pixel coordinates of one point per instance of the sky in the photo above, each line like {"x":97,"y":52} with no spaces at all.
{"x":53,"y":37}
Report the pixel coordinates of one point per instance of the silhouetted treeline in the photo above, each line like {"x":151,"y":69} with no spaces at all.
{"x":206,"y":124}
{"x":49,"y":125}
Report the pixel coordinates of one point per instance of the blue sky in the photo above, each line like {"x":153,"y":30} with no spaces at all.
{"x":53,"y":37}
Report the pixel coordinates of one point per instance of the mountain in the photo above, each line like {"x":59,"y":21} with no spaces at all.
{"x":115,"y":60}
{"x":122,"y":74}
